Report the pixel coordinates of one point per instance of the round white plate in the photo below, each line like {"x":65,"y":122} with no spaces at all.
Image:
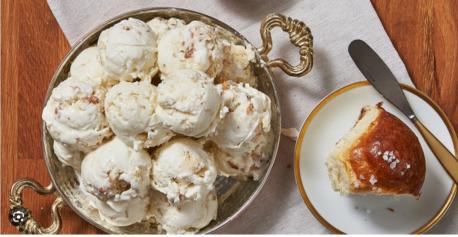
{"x":327,"y":123}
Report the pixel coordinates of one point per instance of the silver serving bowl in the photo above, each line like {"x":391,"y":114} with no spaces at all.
{"x":233,"y":195}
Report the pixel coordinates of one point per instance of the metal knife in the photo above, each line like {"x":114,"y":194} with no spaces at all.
{"x":379,"y":75}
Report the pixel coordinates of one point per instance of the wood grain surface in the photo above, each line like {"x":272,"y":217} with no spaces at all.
{"x":425,"y":33}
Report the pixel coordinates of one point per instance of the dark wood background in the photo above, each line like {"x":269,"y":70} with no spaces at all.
{"x":425,"y":33}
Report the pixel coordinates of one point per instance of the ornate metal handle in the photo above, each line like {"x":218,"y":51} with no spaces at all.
{"x":21,"y":217}
{"x":300,"y":36}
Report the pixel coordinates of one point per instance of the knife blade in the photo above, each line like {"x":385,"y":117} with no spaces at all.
{"x":379,"y":75}
{"x":382,"y":79}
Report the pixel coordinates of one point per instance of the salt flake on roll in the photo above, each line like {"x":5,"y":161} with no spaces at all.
{"x":380,"y":155}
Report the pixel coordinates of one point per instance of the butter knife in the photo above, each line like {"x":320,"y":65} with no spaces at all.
{"x":379,"y":75}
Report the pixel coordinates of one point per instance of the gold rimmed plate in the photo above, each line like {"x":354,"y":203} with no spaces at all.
{"x":327,"y":123}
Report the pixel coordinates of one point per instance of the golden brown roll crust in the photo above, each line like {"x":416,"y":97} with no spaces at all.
{"x":387,"y":159}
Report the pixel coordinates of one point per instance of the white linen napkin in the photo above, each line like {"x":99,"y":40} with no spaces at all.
{"x":334,"y":24}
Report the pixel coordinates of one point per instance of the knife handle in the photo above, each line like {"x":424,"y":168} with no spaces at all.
{"x":447,"y":160}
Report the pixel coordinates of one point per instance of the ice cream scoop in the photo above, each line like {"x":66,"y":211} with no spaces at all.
{"x":67,"y":155}
{"x":249,"y":113}
{"x":237,"y":64}
{"x":161,"y":25}
{"x":130,"y":110}
{"x":119,"y":213}
{"x":186,"y":218}
{"x":128,"y":50}
{"x":118,"y":177}
{"x":189,"y":103}
{"x":74,"y":115}
{"x":246,"y":161}
{"x":183,"y":170}
{"x":87,"y":68}
{"x":194,"y":46}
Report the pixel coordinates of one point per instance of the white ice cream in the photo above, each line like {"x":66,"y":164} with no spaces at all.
{"x":237,"y":64}
{"x":120,"y":213}
{"x":130,"y":110}
{"x":249,"y":114}
{"x":117,"y":178}
{"x":128,"y":50}
{"x":189,"y":103}
{"x":194,"y":46}
{"x":186,"y":218}
{"x":87,"y":68}
{"x":183,"y":170}
{"x":74,"y":115}
{"x":160,"y":25}
{"x":67,"y":155}
{"x":247,"y":161}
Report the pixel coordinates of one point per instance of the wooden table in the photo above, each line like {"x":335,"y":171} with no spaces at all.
{"x":424,"y":32}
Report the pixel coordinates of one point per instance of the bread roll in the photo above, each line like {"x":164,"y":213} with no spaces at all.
{"x":380,"y":155}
